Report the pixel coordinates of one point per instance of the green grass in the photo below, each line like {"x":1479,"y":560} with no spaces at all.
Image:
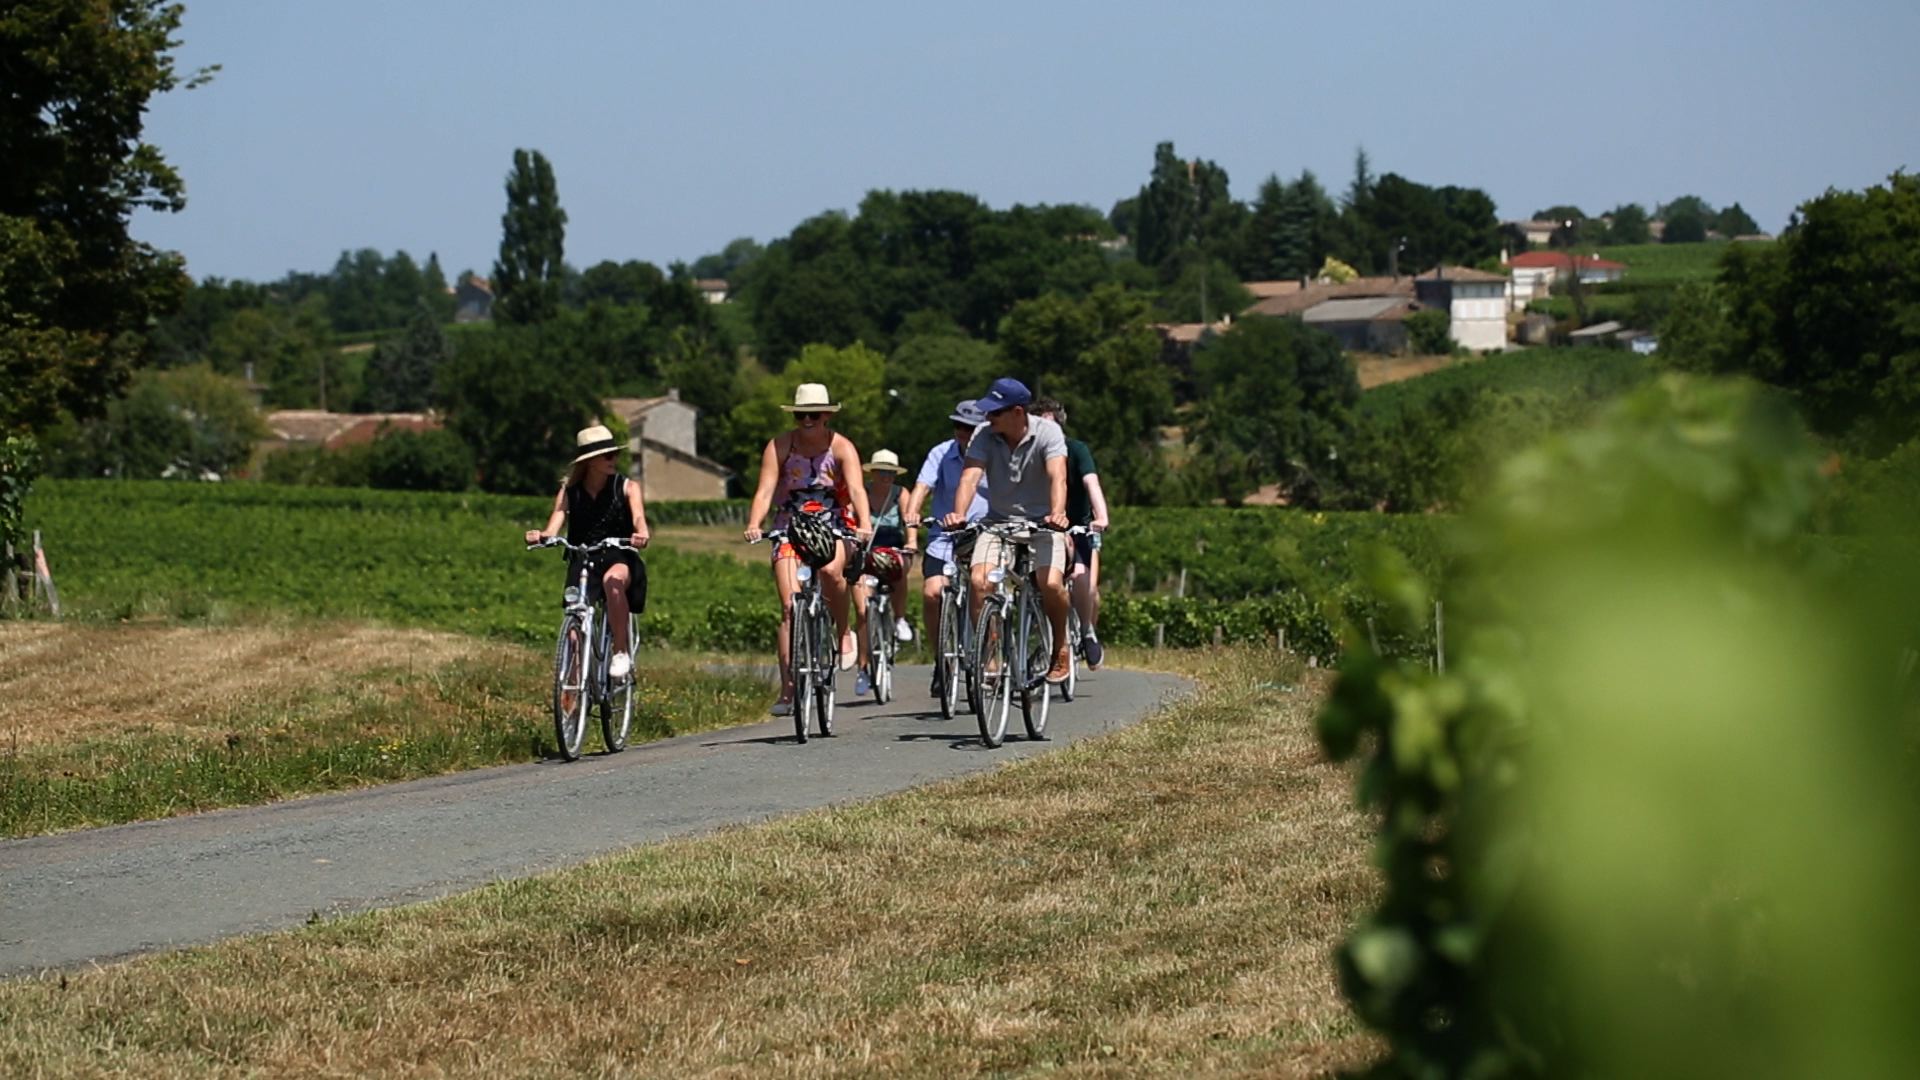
{"x":343,"y":728}
{"x":1669,"y":264}
{"x":134,"y":549}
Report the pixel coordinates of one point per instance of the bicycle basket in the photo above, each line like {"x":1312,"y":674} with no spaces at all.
{"x":814,"y":538}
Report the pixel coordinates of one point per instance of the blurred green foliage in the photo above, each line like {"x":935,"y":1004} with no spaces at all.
{"x":1656,"y":818}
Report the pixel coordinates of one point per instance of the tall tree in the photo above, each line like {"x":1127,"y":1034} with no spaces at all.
{"x":1185,"y":206}
{"x":515,"y":400}
{"x":527,"y":277}
{"x":1629,"y":225}
{"x":76,"y":291}
{"x":1735,"y":221}
{"x":401,"y":375}
{"x":1831,"y":314}
{"x":1276,"y":401}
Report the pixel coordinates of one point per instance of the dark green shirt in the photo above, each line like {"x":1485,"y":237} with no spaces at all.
{"x":1079,"y":467}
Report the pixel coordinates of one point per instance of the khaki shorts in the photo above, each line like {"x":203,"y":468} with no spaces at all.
{"x":1049,"y":551}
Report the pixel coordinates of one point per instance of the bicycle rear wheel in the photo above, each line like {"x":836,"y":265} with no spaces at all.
{"x":993,"y":663}
{"x":1035,"y":643}
{"x":800,"y":663}
{"x":616,"y":708}
{"x":947,"y":658}
{"x":572,"y":660}
{"x":877,"y":638}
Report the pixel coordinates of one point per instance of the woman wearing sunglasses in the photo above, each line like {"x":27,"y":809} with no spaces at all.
{"x":813,"y":467}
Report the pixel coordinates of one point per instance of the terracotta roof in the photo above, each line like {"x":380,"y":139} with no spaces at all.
{"x":1360,"y":309}
{"x":1321,"y":291}
{"x":630,"y":408}
{"x":1190,"y":333}
{"x":335,"y":429}
{"x":711,"y":284}
{"x":1261,"y":290}
{"x":706,"y":465}
{"x":1461,"y":273}
{"x":1560,"y":260}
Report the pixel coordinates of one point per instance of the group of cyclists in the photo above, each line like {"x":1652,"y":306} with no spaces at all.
{"x":1009,"y":460}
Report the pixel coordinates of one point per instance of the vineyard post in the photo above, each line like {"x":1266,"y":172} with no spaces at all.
{"x":1373,"y":639}
{"x":1219,"y":635}
{"x":1439,"y":638}
{"x":1180,"y":590}
{"x":1159,"y":635}
{"x":1129,"y":577}
{"x":9,"y":582}
{"x":1280,"y":639}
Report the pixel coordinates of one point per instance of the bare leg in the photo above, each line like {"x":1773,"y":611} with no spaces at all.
{"x":860,"y":634}
{"x":614,"y":584}
{"x":784,"y":584}
{"x":1053,"y":599}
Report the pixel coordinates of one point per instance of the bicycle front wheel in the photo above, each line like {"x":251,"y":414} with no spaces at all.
{"x":800,"y":667}
{"x":826,"y":655}
{"x":1072,"y":684}
{"x":616,"y":709}
{"x":572,"y":660}
{"x":995,"y":668}
{"x":1035,"y":646}
{"x":947,"y":659}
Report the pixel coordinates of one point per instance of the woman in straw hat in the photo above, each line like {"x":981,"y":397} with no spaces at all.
{"x":814,"y":463}
{"x":888,"y":560}
{"x":597,"y":501}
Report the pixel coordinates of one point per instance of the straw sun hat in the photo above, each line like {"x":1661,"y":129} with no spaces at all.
{"x":812,"y":397}
{"x":885,"y":461}
{"x":592,"y":442}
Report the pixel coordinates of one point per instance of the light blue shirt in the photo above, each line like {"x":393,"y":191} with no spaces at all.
{"x":941,"y":473}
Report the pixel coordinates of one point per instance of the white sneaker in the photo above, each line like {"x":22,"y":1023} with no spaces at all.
{"x":901,"y":631}
{"x":783,"y":708}
{"x":620,"y":666}
{"x":862,"y":686}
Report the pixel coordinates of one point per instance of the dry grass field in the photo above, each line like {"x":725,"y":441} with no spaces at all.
{"x":1163,"y":901}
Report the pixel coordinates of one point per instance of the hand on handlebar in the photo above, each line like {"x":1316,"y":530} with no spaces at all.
{"x":752,"y":534}
{"x":1055,"y":520}
{"x":640,"y":539}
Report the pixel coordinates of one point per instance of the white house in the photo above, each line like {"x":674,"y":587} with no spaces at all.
{"x":1474,"y":300}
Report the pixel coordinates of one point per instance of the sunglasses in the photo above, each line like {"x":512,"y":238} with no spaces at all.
{"x":808,"y":415}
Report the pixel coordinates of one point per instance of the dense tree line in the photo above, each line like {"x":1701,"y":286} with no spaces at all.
{"x":1830,"y":314}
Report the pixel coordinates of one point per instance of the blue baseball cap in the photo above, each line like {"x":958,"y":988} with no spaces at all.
{"x":968,"y":413}
{"x":1004,"y":394}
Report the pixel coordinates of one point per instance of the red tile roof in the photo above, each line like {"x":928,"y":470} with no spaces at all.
{"x":1560,"y":260}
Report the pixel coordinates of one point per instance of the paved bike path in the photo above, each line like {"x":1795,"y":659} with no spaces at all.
{"x":105,"y":894}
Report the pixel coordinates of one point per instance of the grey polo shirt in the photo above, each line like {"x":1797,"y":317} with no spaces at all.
{"x":1017,"y":485}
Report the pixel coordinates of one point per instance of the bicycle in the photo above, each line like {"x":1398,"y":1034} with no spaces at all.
{"x":953,"y":652}
{"x":882,"y":646}
{"x":813,"y":656}
{"x":1013,"y":641}
{"x":580,"y":679}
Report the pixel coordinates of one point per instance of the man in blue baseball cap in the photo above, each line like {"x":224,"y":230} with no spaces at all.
{"x":1023,"y":461}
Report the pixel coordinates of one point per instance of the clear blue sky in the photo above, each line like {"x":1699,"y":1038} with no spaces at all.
{"x":674,"y":128}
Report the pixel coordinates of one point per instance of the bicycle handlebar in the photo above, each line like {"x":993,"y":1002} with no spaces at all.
{"x":616,"y":543}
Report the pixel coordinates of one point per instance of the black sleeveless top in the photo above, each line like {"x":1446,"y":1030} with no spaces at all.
{"x":590,"y":520}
